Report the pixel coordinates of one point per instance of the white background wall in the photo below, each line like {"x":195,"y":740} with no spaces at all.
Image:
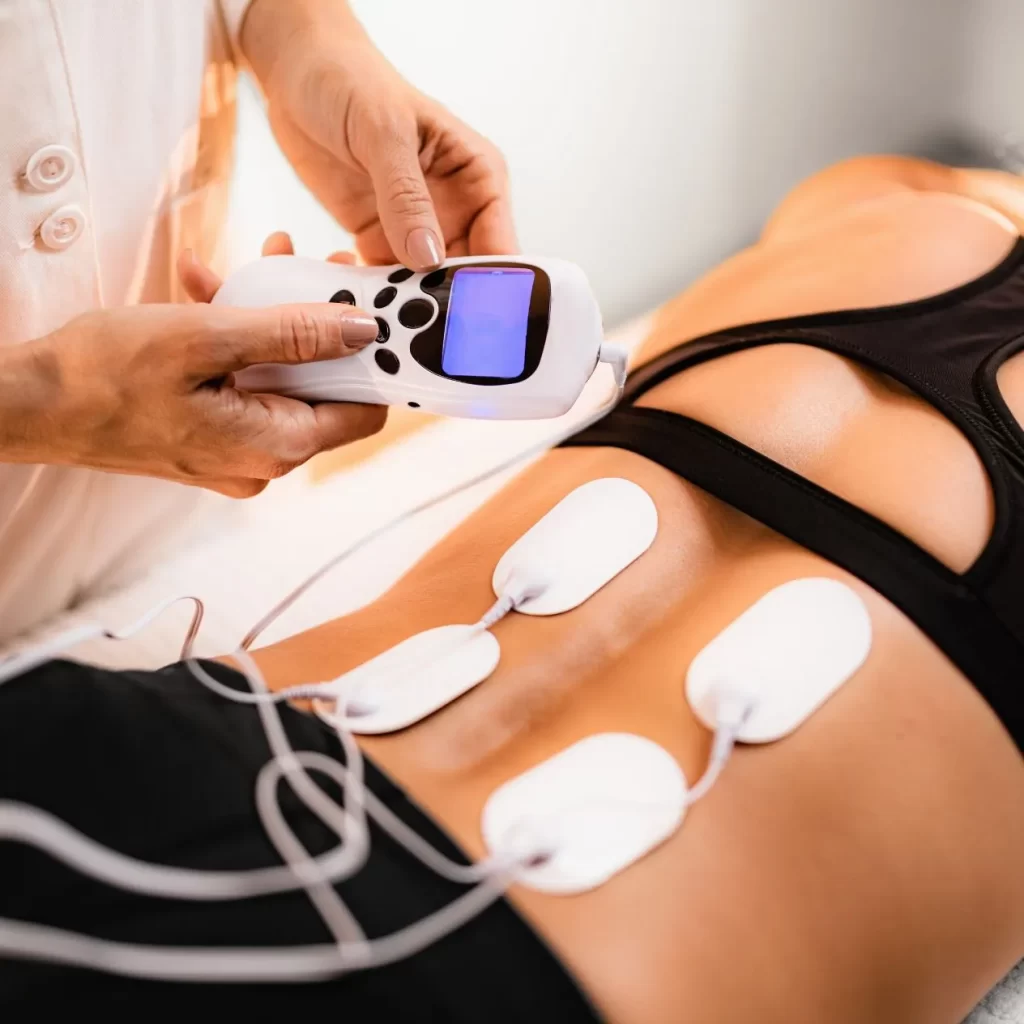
{"x":648,"y":138}
{"x":993,"y":101}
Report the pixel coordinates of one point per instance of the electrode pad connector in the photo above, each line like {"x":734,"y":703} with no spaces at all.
{"x":415,"y":678}
{"x":584,"y":542}
{"x":785,"y":655}
{"x":587,"y":813}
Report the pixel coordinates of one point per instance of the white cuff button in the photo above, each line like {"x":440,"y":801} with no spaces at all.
{"x":62,"y":227}
{"x":49,"y":168}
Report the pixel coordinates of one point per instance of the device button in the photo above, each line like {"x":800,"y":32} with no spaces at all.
{"x":62,"y":227}
{"x":344,"y":296}
{"x":433,"y":280}
{"x":400,"y":275}
{"x":384,"y":296}
{"x":49,"y":168}
{"x":383,"y":329}
{"x":415,"y":313}
{"x":386,"y":360}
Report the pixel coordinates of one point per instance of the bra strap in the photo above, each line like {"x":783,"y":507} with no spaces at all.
{"x":943,"y":606}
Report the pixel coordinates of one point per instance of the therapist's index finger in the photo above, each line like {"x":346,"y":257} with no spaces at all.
{"x":299,"y":333}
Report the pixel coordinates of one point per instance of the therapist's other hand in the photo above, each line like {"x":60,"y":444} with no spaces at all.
{"x":148,"y":390}
{"x":406,"y":178}
{"x":202,"y":284}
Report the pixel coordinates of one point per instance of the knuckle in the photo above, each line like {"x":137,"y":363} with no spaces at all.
{"x":387,"y":121}
{"x":408,"y":196}
{"x":496,"y":161}
{"x":204,"y":338}
{"x":303,"y":336}
{"x":200,"y":349}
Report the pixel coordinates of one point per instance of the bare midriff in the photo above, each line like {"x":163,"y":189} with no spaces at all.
{"x":864,"y":869}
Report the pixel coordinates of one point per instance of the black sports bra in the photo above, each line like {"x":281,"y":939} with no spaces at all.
{"x":947,"y":349}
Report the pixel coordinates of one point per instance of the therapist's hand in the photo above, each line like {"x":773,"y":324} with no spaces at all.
{"x":148,"y":390}
{"x":406,"y":178}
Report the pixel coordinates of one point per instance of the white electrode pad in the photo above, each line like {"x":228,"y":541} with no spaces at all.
{"x":584,"y":542}
{"x":790,"y":652}
{"x":587,"y":813}
{"x":415,"y":678}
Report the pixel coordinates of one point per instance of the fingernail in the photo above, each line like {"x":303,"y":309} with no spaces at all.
{"x":423,"y":248}
{"x":190,"y":257}
{"x":359,"y":330}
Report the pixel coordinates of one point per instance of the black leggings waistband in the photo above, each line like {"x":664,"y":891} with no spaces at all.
{"x":159,"y":768}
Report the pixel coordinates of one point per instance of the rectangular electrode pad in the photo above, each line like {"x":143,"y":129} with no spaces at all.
{"x":415,"y":678}
{"x":587,"y":813}
{"x":583,"y":543}
{"x":788,"y":653}
{"x":488,"y":317}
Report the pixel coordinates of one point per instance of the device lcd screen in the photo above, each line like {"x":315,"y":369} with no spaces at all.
{"x":488,"y":316}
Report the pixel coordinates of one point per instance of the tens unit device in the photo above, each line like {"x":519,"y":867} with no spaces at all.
{"x":487,"y":338}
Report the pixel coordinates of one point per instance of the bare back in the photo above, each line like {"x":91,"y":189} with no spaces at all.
{"x":864,"y":869}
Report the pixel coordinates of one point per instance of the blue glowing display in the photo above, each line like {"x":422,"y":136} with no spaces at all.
{"x":488,"y":316}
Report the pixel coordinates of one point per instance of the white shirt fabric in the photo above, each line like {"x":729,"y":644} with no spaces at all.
{"x":116,"y":134}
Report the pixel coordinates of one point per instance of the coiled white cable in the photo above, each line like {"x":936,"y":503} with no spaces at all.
{"x":351,"y":949}
{"x":732,"y":709}
{"x":21,"y":940}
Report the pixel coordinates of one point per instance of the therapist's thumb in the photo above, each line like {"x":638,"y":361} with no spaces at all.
{"x":404,"y":205}
{"x":301,"y":333}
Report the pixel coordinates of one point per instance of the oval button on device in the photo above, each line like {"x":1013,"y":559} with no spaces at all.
{"x":400,"y":275}
{"x":386,"y":360}
{"x":384,"y":296}
{"x":383,"y":329}
{"x":433,"y":280}
{"x":344,"y":296}
{"x":49,"y":168}
{"x":415,"y":313}
{"x":62,"y":227}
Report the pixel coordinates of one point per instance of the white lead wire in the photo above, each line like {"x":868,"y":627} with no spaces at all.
{"x":351,"y":949}
{"x":533,"y":450}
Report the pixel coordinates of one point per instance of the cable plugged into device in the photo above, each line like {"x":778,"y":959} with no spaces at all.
{"x":733,"y":708}
{"x":617,"y":356}
{"x":518,"y":588}
{"x":793,"y":648}
{"x":771,"y":668}
{"x":587,"y":813}
{"x":593,"y":534}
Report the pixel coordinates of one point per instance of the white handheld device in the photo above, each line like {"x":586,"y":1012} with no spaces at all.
{"x":482,"y":337}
